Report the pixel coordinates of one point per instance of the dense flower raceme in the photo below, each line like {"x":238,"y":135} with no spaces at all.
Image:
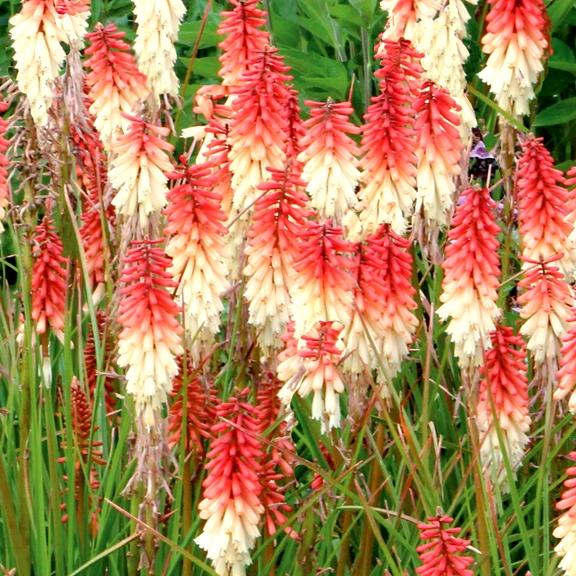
{"x":566,"y":529}
{"x":258,"y":127}
{"x":438,"y":154}
{"x":516,"y":41}
{"x":116,"y":87}
{"x":404,"y":17}
{"x":295,"y":126}
{"x":4,"y":165}
{"x":245,"y":37}
{"x":36,"y":38}
{"x":158,"y":25}
{"x":566,"y":376}
{"x":73,"y":20}
{"x":442,"y":554}
{"x":389,"y":142}
{"x":149,"y":342}
{"x":49,"y":279}
{"x":323,"y":287}
{"x":198,"y":248}
{"x":383,"y":322}
{"x":503,"y":403}
{"x":192,"y":411}
{"x":545,"y":307}
{"x":231,"y":503}
{"x":318,"y":374}
{"x":329,"y":156}
{"x":471,"y":276}
{"x":543,"y":206}
{"x":139,"y":167}
{"x":272,"y":245}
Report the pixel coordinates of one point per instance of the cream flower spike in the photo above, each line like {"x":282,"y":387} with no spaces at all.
{"x":36,"y":37}
{"x":158,"y":25}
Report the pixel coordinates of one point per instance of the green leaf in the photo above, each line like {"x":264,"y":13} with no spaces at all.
{"x":189,"y":33}
{"x":559,"y":113}
{"x":557,"y":11}
{"x":205,"y":67}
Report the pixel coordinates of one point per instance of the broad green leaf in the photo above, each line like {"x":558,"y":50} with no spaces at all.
{"x":557,"y":11}
{"x":206,"y":67}
{"x":559,"y":113}
{"x":190,"y":30}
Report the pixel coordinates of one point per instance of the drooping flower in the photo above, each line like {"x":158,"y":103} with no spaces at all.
{"x":545,"y":308}
{"x":158,"y":25}
{"x":192,"y":412}
{"x":272,"y":246}
{"x":442,"y":554}
{"x":516,"y":41}
{"x":116,"y":86}
{"x":566,"y":375}
{"x":38,"y":54}
{"x":404,"y":16}
{"x":139,"y":170}
{"x":258,"y":128}
{"x":383,"y":321}
{"x":438,"y":153}
{"x":49,"y":280}
{"x":566,"y":529}
{"x":323,"y":288}
{"x":149,"y":341}
{"x":330,"y":161}
{"x":197,"y":246}
{"x":231,"y":503}
{"x":320,"y":375}
{"x":246,"y":37}
{"x":543,"y":206}
{"x":503,"y":403}
{"x":388,"y":182}
{"x":471,"y":276}
{"x":73,"y":20}
{"x":4,"y":165}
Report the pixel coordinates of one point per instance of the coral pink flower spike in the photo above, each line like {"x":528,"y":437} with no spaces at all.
{"x":566,"y":529}
{"x":4,"y":165}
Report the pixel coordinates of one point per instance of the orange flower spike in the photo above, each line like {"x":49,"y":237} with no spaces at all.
{"x":324,"y":285}
{"x":259,"y":127}
{"x":139,"y":170}
{"x":517,"y":42}
{"x":442,"y":554}
{"x":197,"y":246}
{"x":503,"y":402}
{"x":389,"y":142}
{"x":330,"y":160}
{"x":4,"y":165}
{"x":545,"y":307}
{"x":439,"y":153}
{"x":243,"y":27}
{"x":149,"y":341}
{"x":73,"y":20}
{"x":49,"y":279}
{"x":116,"y":87}
{"x":543,"y":206}
{"x":566,"y":529}
{"x":279,"y":215}
{"x":471,"y":276}
{"x":566,"y":376}
{"x":231,"y":503}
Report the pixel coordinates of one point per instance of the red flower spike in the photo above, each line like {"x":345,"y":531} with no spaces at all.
{"x":49,"y":278}
{"x":545,"y":307}
{"x":197,"y":246}
{"x":243,"y":27}
{"x":259,"y":128}
{"x":116,"y":85}
{"x":320,"y":374}
{"x":329,"y":156}
{"x":279,"y":216}
{"x":200,"y":401}
{"x":389,"y":142}
{"x":442,"y":555}
{"x":324,"y":285}
{"x":383,"y":322}
{"x":566,"y":529}
{"x":231,"y":504}
{"x":4,"y":165}
{"x":543,"y":206}
{"x":150,"y":338}
{"x":471,"y":276}
{"x":503,"y":398}
{"x":566,"y":376}
{"x":439,"y":153}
